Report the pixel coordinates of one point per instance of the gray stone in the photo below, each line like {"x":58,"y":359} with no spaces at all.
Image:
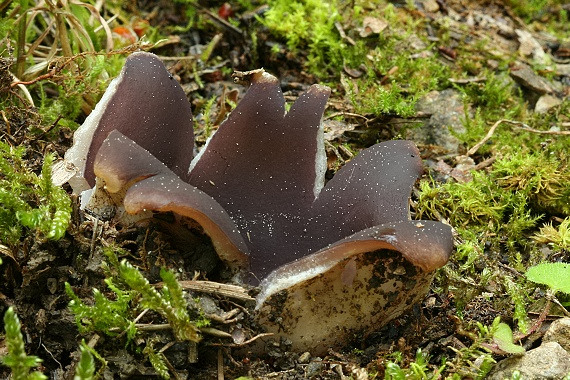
{"x":546,"y":102}
{"x":530,"y":47}
{"x":559,"y":331}
{"x":563,"y":69}
{"x":547,"y":362}
{"x":447,"y":113}
{"x":527,"y":78}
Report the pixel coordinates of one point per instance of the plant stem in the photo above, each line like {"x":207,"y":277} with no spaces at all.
{"x":21,"y":43}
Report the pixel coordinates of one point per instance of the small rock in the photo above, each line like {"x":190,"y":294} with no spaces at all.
{"x":238,"y":336}
{"x":524,"y":76}
{"x":314,"y":368}
{"x":209,"y":306}
{"x":559,"y":331}
{"x":354,"y":73}
{"x":415,"y":43}
{"x":447,"y":113}
{"x":546,"y":102}
{"x":563,"y":69}
{"x":549,"y":361}
{"x":530,"y":47}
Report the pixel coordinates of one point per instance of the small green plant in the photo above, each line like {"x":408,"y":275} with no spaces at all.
{"x":519,"y":298}
{"x":170,"y":303}
{"x":207,"y":112}
{"x":111,"y":316}
{"x":417,"y":370}
{"x":157,"y":360}
{"x":19,"y":362}
{"x":85,"y":369}
{"x":29,"y":202}
{"x":496,"y":93}
{"x":105,"y":315}
{"x":474,"y":361}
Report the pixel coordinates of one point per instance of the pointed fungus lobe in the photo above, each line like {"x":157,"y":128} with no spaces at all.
{"x":370,"y":190}
{"x":262,"y":166}
{"x":333,"y":261}
{"x":147,"y":105}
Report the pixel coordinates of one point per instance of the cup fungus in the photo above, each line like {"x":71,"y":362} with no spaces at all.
{"x":331,"y":261}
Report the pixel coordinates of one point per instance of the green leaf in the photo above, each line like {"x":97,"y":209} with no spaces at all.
{"x":554,"y":275}
{"x":503,"y":337}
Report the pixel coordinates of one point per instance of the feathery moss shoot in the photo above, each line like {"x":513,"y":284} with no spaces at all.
{"x":19,"y":362}
{"x":29,"y":203}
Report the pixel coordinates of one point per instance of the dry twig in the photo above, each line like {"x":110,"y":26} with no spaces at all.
{"x":210,"y":287}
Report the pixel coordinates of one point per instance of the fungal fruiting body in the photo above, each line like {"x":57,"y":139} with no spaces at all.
{"x":331,"y":261}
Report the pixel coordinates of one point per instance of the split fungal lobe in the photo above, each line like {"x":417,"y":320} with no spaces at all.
{"x":257,"y":190}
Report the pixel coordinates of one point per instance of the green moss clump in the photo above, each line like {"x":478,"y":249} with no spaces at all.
{"x":508,"y":200}
{"x":391,"y":80}
{"x":405,"y":80}
{"x":543,"y":180}
{"x":309,"y":24}
{"x":29,"y":202}
{"x":558,"y":238}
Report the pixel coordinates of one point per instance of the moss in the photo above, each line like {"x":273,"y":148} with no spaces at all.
{"x":391,"y":80}
{"x":558,"y":238}
{"x":544,"y":180}
{"x":495,"y":215}
{"x":497,"y":93}
{"x":29,"y":203}
{"x":473,"y":203}
{"x":535,"y":9}
{"x":308,"y":24}
{"x":395,"y":81}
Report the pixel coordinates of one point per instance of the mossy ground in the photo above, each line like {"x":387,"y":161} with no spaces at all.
{"x":512,"y":214}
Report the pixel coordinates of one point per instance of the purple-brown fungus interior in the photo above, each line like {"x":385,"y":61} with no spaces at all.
{"x":257,"y":186}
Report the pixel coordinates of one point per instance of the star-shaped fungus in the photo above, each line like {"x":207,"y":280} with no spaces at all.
{"x":331,"y":261}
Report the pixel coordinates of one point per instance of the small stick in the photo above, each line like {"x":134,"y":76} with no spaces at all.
{"x":220,"y":364}
{"x":489,"y":134}
{"x":243,"y":343}
{"x":226,"y":290}
{"x":523,"y":127}
{"x":555,"y":300}
{"x":559,"y":133}
{"x":342,"y":113}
